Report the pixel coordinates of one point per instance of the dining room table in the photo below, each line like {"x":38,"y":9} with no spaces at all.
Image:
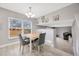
{"x":32,"y":36}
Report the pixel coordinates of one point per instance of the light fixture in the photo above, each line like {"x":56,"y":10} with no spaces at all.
{"x":29,"y":14}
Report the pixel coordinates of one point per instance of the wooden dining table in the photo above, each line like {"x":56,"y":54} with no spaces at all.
{"x":32,"y":37}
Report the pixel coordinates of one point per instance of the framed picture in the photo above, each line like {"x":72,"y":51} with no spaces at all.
{"x":56,"y":17}
{"x":44,"y":19}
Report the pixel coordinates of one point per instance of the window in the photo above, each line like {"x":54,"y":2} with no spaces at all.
{"x":17,"y":26}
{"x":26,"y":26}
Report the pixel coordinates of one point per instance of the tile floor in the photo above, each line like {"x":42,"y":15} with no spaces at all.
{"x":13,"y":50}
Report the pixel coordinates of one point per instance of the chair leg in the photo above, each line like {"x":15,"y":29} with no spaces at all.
{"x":22,"y":50}
{"x":38,"y":49}
{"x":33,"y":47}
{"x":41,"y":48}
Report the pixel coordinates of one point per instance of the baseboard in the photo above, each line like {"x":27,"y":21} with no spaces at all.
{"x":4,"y":45}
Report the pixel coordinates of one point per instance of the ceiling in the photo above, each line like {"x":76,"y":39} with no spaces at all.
{"x":39,"y":9}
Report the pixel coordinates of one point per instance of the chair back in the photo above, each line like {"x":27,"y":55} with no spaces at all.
{"x":21,"y":39}
{"x":41,"y":39}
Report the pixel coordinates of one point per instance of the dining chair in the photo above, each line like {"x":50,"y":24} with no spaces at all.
{"x":41,"y":40}
{"x":23,"y":42}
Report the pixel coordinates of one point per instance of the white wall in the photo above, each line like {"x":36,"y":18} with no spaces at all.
{"x":66,"y":13}
{"x":34,"y":22}
{"x":75,"y":34}
{"x":4,"y":14}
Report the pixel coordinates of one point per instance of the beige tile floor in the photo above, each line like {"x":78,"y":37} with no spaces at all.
{"x":13,"y":50}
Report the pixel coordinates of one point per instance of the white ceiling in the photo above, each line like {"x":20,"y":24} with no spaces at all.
{"x":39,"y":9}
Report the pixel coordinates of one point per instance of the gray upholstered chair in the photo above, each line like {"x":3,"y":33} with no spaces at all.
{"x":40,"y":41}
{"x":23,"y":42}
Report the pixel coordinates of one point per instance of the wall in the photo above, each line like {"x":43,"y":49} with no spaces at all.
{"x":4,"y":14}
{"x":34,"y":22}
{"x":75,"y":34}
{"x":65,"y":13}
{"x":61,"y":30}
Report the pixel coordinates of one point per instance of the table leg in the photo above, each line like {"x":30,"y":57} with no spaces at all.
{"x":30,"y":46}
